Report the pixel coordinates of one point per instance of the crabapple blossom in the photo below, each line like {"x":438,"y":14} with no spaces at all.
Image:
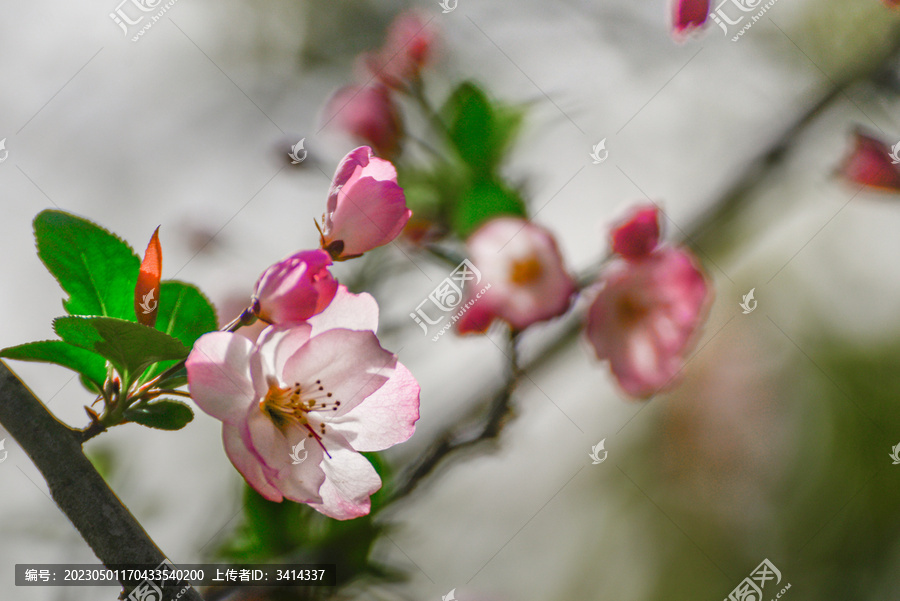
{"x":325,"y":386}
{"x":369,"y":114}
{"x":366,"y":207}
{"x":870,"y":163}
{"x":688,"y":15}
{"x":523,"y":266}
{"x":648,"y":310}
{"x":638,"y":234}
{"x":408,"y":47}
{"x":295,"y":288}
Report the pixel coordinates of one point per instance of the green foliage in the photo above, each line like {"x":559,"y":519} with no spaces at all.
{"x":185,"y":314}
{"x":164,"y":414}
{"x":97,"y":269}
{"x":90,"y":365}
{"x":480,"y":131}
{"x":484,"y":201}
{"x":128,"y":346}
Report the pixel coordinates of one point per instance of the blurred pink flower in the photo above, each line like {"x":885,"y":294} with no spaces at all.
{"x":408,"y":47}
{"x":295,"y":288}
{"x":300,"y":405}
{"x":637,"y":234}
{"x":689,"y":15}
{"x":366,"y":207}
{"x":870,"y":164}
{"x":369,"y":114}
{"x":524,"y":269}
{"x":648,"y":311}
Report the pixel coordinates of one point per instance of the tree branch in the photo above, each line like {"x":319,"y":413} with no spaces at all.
{"x":112,"y":532}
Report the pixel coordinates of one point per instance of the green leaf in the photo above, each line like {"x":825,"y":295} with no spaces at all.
{"x":164,"y":414}
{"x":129,"y":346}
{"x":484,"y":201}
{"x":471,"y":125}
{"x":89,"y":364}
{"x":185,"y":314}
{"x":97,"y":269}
{"x":481,"y":131}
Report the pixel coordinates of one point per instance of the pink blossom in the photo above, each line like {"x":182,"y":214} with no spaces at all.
{"x":300,"y":405}
{"x":638,"y":234}
{"x":689,"y":15}
{"x":870,"y":164}
{"x":369,"y":114}
{"x":648,"y":311}
{"x":366,"y":207}
{"x":295,"y":288}
{"x":524,"y":270}
{"x":408,"y":47}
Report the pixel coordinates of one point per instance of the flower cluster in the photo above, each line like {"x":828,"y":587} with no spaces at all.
{"x":650,"y":299}
{"x":317,"y":379}
{"x":367,"y":110}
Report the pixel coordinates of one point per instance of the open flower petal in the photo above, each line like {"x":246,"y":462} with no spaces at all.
{"x":388,"y":416}
{"x":219,"y":375}
{"x":245,"y":462}
{"x":349,"y":482}
{"x":347,"y":311}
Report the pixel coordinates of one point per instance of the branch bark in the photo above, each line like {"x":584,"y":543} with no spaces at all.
{"x":77,"y":488}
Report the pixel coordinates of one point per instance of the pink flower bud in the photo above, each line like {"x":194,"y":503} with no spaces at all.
{"x":369,"y":114}
{"x":870,"y":163}
{"x":408,"y":47}
{"x":523,"y":279}
{"x":366,"y":207}
{"x":688,"y":15}
{"x":295,"y":289}
{"x":638,"y":234}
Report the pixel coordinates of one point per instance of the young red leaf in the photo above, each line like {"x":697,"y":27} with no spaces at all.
{"x":146,"y":293}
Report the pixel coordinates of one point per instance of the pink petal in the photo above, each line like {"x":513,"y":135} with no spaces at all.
{"x":273,"y":348}
{"x":870,"y":164}
{"x":295,"y":288}
{"x":385,"y":418}
{"x":638,"y":234}
{"x":247,"y":463}
{"x":521,"y":263}
{"x":646,"y":318}
{"x":272,"y":447}
{"x":369,"y":114}
{"x":300,"y":482}
{"x":349,"y":482}
{"x":349,"y":364}
{"x":219,"y":375}
{"x":347,"y":311}
{"x":689,"y":14}
{"x":369,"y":213}
{"x":356,"y":158}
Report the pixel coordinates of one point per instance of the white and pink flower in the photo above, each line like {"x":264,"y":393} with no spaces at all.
{"x":523,"y":265}
{"x":651,"y":303}
{"x":366,"y":207}
{"x":327,"y":382}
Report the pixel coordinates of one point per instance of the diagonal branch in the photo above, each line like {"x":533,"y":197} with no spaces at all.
{"x":112,"y":532}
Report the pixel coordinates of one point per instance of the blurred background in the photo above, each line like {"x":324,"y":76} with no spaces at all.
{"x":776,"y":444}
